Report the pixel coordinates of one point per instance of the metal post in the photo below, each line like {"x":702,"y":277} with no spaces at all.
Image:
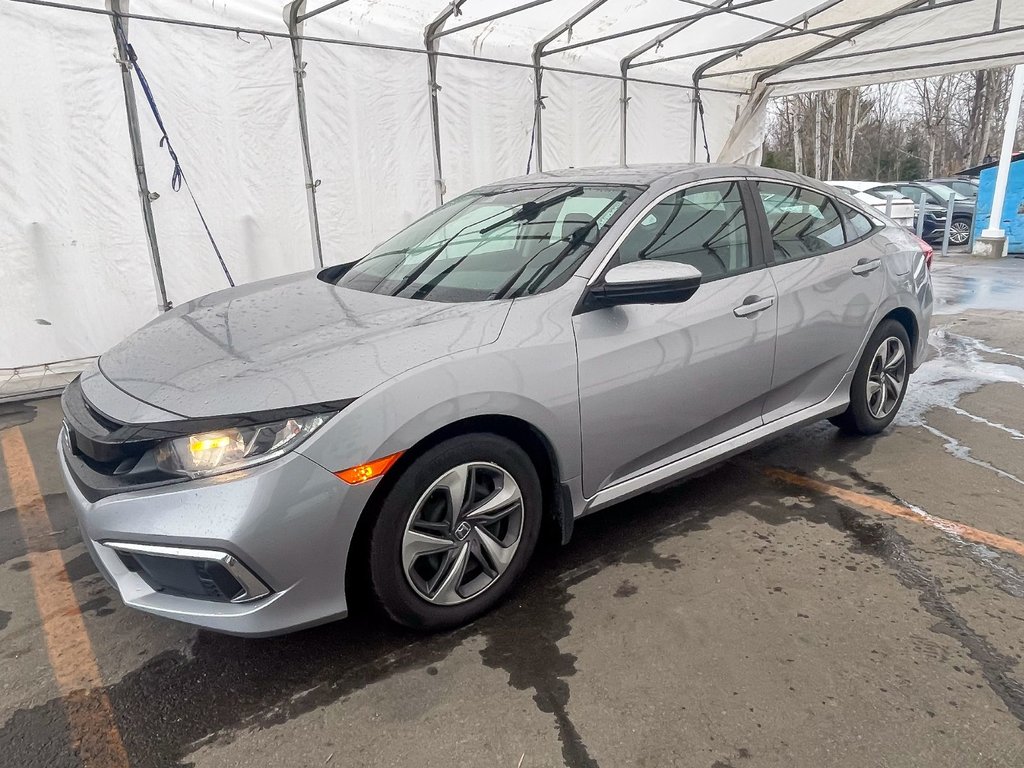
{"x":291,"y":19}
{"x":430,"y":36}
{"x":146,"y":198}
{"x":623,"y":112}
{"x":888,"y":204}
{"x":628,"y":60}
{"x":949,"y":224}
{"x":538,"y":107}
{"x":693,"y":124}
{"x":538,"y":70}
{"x":920,"y":216}
{"x":995,"y":221}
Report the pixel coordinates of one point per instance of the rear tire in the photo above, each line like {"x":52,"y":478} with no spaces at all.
{"x":455,"y":532}
{"x":879,"y":382}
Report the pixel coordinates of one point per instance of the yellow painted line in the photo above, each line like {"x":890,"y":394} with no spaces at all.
{"x":94,"y":733}
{"x":888,"y":507}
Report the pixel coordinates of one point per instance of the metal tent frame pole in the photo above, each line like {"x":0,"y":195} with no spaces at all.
{"x":736,"y":5}
{"x":732,"y":47}
{"x":538,"y":72}
{"x":430,"y":38}
{"x":776,"y":33}
{"x":627,"y":61}
{"x":118,"y":9}
{"x":294,"y":18}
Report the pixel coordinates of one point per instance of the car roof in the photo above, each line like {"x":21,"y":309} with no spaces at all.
{"x":661,"y":175}
{"x":860,"y":186}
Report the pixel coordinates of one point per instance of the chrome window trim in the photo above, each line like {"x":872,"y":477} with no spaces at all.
{"x":252,"y":587}
{"x":599,"y":272}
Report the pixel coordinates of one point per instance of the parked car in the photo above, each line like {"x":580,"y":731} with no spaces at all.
{"x":901,"y":209}
{"x":965,"y":186}
{"x":934,"y":221}
{"x":530,"y":352}
{"x":928,"y":193}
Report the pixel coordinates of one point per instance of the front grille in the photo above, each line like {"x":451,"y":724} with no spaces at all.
{"x":104,"y":456}
{"x":95,"y":437}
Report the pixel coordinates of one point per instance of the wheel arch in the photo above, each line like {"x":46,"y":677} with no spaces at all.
{"x":558,"y":513}
{"x":906,"y":318}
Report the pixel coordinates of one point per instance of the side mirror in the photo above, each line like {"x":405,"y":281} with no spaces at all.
{"x":644,"y":282}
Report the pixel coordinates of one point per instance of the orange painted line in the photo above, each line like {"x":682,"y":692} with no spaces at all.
{"x":887,"y":507}
{"x":94,"y":734}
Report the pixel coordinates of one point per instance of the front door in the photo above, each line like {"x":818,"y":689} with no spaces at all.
{"x":661,"y":381}
{"x":830,"y":280}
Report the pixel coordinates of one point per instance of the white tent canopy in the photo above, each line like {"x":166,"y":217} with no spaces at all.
{"x":377,"y":130}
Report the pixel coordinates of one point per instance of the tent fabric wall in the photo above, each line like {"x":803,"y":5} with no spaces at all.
{"x":76,"y":269}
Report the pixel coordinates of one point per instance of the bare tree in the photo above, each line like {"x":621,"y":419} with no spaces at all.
{"x":921,"y":127}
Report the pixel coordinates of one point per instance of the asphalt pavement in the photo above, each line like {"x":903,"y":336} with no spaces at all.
{"x":819,"y":601}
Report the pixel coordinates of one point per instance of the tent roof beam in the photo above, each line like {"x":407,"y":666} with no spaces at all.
{"x":901,"y":47}
{"x":935,"y":6}
{"x":709,"y":11}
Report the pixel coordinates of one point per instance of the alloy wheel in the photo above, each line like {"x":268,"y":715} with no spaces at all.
{"x":462,"y":533}
{"x":959,"y":232}
{"x":886,"y":377}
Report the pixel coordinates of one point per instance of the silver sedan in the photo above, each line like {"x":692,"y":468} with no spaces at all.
{"x":412,"y":423}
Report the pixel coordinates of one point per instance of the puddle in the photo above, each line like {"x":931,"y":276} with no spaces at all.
{"x":957,"y":369}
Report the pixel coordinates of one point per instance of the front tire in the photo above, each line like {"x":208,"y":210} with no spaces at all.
{"x":960,"y":231}
{"x":455,"y":531}
{"x":879,"y":383}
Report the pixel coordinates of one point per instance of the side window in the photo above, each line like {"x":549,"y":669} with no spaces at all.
{"x":704,"y":226}
{"x":857,"y":223}
{"x":916,"y":194}
{"x":802,"y":222}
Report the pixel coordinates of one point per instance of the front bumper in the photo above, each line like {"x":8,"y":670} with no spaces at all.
{"x":289,"y":522}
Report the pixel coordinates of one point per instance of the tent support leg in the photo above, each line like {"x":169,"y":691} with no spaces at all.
{"x":146,"y":197}
{"x":538,"y":108}
{"x":693,"y":126}
{"x":430,"y":38}
{"x":435,"y":121}
{"x":993,"y":239}
{"x":623,"y":115}
{"x":291,"y":18}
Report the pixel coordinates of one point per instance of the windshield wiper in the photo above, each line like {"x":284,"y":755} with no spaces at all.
{"x":411,"y":277}
{"x":531,"y":209}
{"x":575,"y":240}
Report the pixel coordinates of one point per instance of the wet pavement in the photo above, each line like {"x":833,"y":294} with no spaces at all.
{"x":820,"y":601}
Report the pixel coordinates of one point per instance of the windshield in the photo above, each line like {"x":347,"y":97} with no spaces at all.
{"x":943,"y":192}
{"x":493,"y":245}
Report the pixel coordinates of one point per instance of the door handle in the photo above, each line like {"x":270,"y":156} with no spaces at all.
{"x":866,"y":266}
{"x":753,"y":304}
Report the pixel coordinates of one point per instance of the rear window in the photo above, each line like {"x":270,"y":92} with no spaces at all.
{"x":802,"y":222}
{"x":857,"y":224}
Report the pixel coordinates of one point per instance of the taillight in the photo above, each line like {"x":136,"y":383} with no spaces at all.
{"x":928,"y":251}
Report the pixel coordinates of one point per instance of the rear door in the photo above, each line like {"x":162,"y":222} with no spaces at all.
{"x":661,"y":381}
{"x":829,"y":279}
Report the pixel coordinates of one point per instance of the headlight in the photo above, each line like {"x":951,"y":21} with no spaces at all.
{"x":225,"y":450}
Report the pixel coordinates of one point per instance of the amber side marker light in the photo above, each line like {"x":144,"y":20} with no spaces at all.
{"x":369,"y":471}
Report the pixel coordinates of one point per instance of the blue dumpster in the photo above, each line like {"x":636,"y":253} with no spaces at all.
{"x":1013,"y":210}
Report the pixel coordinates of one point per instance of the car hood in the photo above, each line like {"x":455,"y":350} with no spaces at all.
{"x":288,"y":341}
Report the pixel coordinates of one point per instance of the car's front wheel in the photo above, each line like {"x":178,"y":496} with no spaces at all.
{"x":879,"y":382}
{"x":455,"y":531}
{"x":960,"y":232}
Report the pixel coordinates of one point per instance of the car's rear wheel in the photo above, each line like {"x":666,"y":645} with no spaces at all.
{"x":455,"y":531}
{"x":879,"y":382}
